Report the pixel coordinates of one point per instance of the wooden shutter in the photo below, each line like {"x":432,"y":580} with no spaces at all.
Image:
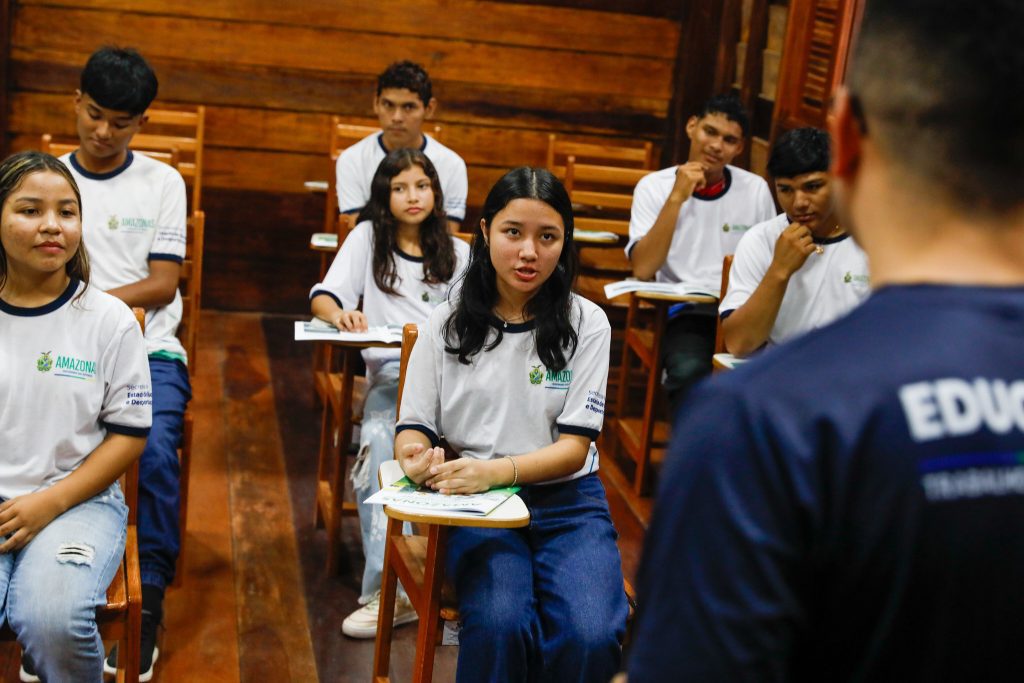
{"x":818,"y":40}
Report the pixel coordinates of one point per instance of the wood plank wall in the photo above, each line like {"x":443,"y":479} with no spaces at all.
{"x":272,"y":73}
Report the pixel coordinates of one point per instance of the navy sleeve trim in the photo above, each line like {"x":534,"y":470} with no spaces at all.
{"x":725,"y":314}
{"x":349,"y":212}
{"x":167,"y":257}
{"x":630,"y":248}
{"x":126,"y":431}
{"x":578,"y":431}
{"x":318,"y":292}
{"x":426,"y":431}
{"x":454,"y":219}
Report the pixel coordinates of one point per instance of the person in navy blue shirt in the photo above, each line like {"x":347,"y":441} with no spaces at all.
{"x":850,"y":506}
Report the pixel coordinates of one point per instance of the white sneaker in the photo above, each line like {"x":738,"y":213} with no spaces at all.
{"x":363,"y":622}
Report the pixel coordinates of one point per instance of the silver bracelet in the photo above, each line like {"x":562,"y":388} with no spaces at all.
{"x":515,"y":470}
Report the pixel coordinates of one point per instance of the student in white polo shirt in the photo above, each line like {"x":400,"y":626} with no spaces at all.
{"x":404,"y":102}
{"x":133,"y":219}
{"x":513,"y":375}
{"x":75,"y":391}
{"x":684,"y":221}
{"x":801,"y":270}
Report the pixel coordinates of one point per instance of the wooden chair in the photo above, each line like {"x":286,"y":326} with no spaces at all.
{"x":418,"y":561}
{"x":607,"y":154}
{"x":190,"y":284}
{"x":120,"y":620}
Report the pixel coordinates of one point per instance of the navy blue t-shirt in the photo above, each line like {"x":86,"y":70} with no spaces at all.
{"x":849,"y":506}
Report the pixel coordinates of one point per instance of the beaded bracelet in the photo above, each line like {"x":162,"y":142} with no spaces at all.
{"x":515,"y":470}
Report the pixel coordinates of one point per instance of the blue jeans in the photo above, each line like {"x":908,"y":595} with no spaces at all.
{"x":159,"y":485}
{"x":546,"y":602}
{"x":376,"y":445}
{"x":50,"y":589}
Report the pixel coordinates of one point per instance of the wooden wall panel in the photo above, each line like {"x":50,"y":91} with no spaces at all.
{"x":272,"y":74}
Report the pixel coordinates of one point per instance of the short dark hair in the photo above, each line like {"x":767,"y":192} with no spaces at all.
{"x":933,"y":81}
{"x":119,"y":79}
{"x":408,"y":75}
{"x":799,"y":151}
{"x":730,"y":107}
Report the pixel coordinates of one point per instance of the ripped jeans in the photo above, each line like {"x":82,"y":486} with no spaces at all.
{"x":50,"y":589}
{"x":376,"y":445}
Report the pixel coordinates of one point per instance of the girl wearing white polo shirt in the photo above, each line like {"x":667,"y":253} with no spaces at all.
{"x":401,"y":261}
{"x":75,"y":391}
{"x":512,"y":374}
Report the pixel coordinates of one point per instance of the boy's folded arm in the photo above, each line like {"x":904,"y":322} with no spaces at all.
{"x":153,"y":291}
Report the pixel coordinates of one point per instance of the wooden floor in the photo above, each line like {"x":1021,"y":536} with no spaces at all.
{"x":255,"y":604}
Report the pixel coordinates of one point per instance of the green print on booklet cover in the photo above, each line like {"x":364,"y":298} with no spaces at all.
{"x":44,"y":362}
{"x":536,"y":375}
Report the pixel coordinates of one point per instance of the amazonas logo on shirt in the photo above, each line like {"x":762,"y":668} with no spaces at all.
{"x":66,"y":366}
{"x":551,"y":379}
{"x":127,"y":224}
{"x":859,"y":279}
{"x":735,"y":227}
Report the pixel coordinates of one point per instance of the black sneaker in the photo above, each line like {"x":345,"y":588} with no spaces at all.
{"x":149,"y":651}
{"x":27,"y":673}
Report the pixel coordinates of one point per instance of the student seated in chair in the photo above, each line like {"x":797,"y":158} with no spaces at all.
{"x":133,"y":220}
{"x":801,"y":270}
{"x":74,"y":386}
{"x":851,"y":506}
{"x":513,"y":374}
{"x":685,"y":220}
{"x":401,"y":263}
{"x":404,"y":102}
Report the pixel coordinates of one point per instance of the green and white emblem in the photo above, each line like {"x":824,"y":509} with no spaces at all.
{"x":725,"y":227}
{"x":45,"y":362}
{"x":113,"y":222}
{"x":536,"y":375}
{"x":848,"y":277}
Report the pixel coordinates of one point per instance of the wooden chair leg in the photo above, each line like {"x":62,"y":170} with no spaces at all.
{"x":386,"y":613}
{"x":130,"y":648}
{"x":430,"y":619}
{"x":185,"y":471}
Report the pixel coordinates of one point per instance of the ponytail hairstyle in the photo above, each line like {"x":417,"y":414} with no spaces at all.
{"x":435,"y":242}
{"x":465,"y":331}
{"x":13,"y":172}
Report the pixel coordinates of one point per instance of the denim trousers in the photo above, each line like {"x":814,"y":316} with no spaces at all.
{"x":376,"y":445}
{"x":159,"y":484}
{"x":545,"y":602}
{"x":50,"y":589}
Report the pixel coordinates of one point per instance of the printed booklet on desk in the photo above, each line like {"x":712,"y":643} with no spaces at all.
{"x":321,"y":330}
{"x":409,"y":497}
{"x":615,"y":289}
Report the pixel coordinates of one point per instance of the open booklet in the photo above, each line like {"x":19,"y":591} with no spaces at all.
{"x":408,"y":496}
{"x":321,"y":330}
{"x":615,"y":289}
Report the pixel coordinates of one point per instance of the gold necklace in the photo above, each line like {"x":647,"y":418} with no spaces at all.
{"x":836,"y":231}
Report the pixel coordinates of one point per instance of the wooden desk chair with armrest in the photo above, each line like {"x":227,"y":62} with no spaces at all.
{"x":418,"y":561}
{"x":120,"y":620}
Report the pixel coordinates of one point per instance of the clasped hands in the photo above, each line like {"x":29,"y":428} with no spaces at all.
{"x":427,"y":466}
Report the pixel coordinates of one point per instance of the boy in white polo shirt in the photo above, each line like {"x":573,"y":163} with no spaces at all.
{"x":133,"y":223}
{"x":404,"y":101}
{"x":685,"y":219}
{"x":800,"y":270}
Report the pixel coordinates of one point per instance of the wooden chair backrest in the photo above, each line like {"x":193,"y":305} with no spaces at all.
{"x":719,"y":338}
{"x":624,"y":155}
{"x":190,"y":284}
{"x":601,"y":187}
{"x":409,"y":334}
{"x":184,"y":131}
{"x":177,"y":141}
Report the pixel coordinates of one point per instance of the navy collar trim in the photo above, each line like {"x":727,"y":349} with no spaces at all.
{"x":512,"y":328}
{"x":830,"y":240}
{"x":101,"y":176}
{"x":380,"y":141}
{"x":24,"y":312}
{"x":408,"y":257}
{"x":718,"y":195}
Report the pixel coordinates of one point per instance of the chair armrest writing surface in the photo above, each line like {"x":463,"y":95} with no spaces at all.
{"x":511,"y":514}
{"x":676,"y":298}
